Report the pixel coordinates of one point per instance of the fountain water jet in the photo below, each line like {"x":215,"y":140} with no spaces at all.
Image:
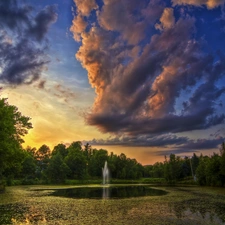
{"x":105,"y":174}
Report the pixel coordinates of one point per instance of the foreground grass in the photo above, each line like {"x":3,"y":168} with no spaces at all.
{"x":182,"y":205}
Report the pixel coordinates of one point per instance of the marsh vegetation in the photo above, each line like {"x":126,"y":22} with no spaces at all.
{"x":180,"y":205}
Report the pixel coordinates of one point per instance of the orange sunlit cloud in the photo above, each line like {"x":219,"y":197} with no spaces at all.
{"x":141,"y":77}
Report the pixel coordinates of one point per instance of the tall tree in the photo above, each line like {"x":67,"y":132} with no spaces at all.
{"x":222,"y":166}
{"x":57,"y":169}
{"x":201,"y":171}
{"x":60,"y":149}
{"x":29,"y":167}
{"x":173,"y":168}
{"x":42,"y":156}
{"x":76,"y":161}
{"x":13,"y":126}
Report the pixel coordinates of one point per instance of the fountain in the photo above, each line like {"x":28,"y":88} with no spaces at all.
{"x":105,"y":174}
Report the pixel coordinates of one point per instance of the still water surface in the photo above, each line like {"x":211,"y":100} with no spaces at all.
{"x":109,"y":192}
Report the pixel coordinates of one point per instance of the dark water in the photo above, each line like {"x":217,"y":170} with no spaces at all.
{"x":108,"y":192}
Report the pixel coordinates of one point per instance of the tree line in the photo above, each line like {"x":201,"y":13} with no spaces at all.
{"x":203,"y":170}
{"x":76,"y":162}
{"x":83,"y":162}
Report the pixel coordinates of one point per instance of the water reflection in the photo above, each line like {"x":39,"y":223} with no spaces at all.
{"x":105,"y":192}
{"x":200,"y":212}
{"x":199,"y":218}
{"x":109,"y":192}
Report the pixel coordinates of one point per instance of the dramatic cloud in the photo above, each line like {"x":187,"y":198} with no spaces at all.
{"x":171,"y":144}
{"x":83,"y":10}
{"x":22,"y":58}
{"x":79,"y":25}
{"x":143,"y":64}
{"x":167,"y":19}
{"x":84,"y":7}
{"x":209,"y":3}
{"x":43,"y":20}
{"x":116,"y":16}
{"x":194,"y":146}
{"x":143,"y":140}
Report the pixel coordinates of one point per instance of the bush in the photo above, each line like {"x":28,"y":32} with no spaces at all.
{"x":28,"y":181}
{"x":77,"y":182}
{"x":153,"y":181}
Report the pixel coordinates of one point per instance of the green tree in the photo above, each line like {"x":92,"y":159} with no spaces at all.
{"x":157,"y":170}
{"x":112,"y":160}
{"x":148,"y":171}
{"x":186,"y":167}
{"x":121,"y":162}
{"x":201,"y":170}
{"x":213,"y":170}
{"x":87,"y":151}
{"x":194,"y":163}
{"x":29,"y":167}
{"x":57,"y":170}
{"x":173,"y":169}
{"x":61,"y":149}
{"x":42,"y":155}
{"x":76,"y":161}
{"x":31,"y":150}
{"x":97,"y":161}
{"x":13,"y":126}
{"x":222,"y":166}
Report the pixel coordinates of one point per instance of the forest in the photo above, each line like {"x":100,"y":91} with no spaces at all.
{"x":76,"y":161}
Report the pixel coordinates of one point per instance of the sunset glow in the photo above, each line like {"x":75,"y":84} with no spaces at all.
{"x":143,"y":77}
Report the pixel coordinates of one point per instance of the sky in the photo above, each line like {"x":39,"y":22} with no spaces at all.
{"x":143,"y":77}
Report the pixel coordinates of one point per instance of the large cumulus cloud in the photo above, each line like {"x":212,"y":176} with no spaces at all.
{"x":142,"y":61}
{"x":22,"y":41}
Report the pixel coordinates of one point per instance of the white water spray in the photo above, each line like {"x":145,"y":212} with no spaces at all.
{"x":105,"y":174}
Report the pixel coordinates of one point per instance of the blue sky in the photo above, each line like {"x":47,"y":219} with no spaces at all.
{"x":146,"y":78}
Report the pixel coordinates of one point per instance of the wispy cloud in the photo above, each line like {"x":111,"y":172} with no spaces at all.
{"x":210,"y":4}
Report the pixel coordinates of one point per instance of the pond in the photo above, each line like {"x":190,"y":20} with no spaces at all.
{"x":108,"y":192}
{"x":60,"y":205}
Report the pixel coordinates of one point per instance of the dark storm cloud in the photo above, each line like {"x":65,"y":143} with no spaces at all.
{"x":142,"y":140}
{"x":170,"y":123}
{"x":43,"y":20}
{"x":12,"y":15}
{"x":22,"y":59}
{"x":200,"y":144}
{"x":171,"y":143}
{"x":194,"y":146}
{"x":21,"y":63}
{"x":139,"y":78}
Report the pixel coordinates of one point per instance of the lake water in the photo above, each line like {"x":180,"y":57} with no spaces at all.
{"x":114,"y":192}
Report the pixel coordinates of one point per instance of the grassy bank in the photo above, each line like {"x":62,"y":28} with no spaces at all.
{"x":156,"y":181}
